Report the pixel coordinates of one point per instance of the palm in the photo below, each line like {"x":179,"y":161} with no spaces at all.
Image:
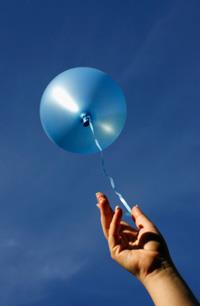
{"x":139,"y":250}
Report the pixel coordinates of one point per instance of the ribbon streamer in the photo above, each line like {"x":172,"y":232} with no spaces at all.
{"x":112,"y":183}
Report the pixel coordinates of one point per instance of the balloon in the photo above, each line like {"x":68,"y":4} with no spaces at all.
{"x":75,"y":97}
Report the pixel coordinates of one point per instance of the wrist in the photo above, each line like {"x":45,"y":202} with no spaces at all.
{"x":166,"y":270}
{"x":166,"y":287}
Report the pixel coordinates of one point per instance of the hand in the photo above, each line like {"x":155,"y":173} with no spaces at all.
{"x":142,"y":250}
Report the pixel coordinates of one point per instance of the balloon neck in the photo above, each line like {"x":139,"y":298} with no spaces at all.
{"x":85,"y":119}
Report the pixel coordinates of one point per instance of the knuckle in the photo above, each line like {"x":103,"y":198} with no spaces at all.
{"x":112,"y":254}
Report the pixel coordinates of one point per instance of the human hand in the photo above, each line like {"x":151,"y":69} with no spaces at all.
{"x":141,"y":250}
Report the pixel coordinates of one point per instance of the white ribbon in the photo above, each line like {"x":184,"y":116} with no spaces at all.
{"x":112,"y":183}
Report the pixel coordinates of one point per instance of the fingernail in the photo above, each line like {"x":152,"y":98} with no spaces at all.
{"x":99,"y":194}
{"x":97,"y":205}
{"x":135,"y":206}
{"x":116,"y":207}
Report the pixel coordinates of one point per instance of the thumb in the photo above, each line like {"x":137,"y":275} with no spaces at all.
{"x":140,"y":219}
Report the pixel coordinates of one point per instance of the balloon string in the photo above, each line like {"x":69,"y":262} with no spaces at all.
{"x":112,"y":183}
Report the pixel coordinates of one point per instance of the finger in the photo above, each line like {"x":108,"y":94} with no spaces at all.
{"x":106,"y":212}
{"x":126,"y":226}
{"x":132,"y":236}
{"x":113,"y":236}
{"x":127,"y":231}
{"x":140,"y":219}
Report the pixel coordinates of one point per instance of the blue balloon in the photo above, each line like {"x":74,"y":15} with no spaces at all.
{"x":72,"y":99}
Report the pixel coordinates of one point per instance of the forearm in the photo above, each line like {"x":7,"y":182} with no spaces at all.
{"x":167,"y":288}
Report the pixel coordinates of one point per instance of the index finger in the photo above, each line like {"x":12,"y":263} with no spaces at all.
{"x":105,"y":211}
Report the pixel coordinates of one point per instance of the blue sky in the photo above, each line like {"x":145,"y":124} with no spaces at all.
{"x":52,"y":251}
